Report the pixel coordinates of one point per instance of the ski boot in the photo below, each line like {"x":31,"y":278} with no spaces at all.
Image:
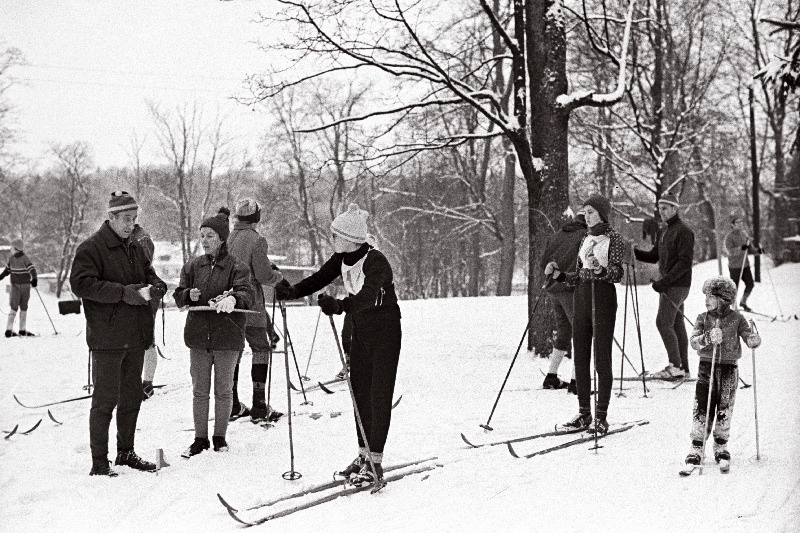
{"x":10,"y":333}
{"x":129,"y":458}
{"x":196,"y":447}
{"x":26,"y":333}
{"x":572,"y":388}
{"x":722,"y":456}
{"x":353,"y":468}
{"x":599,"y":427}
{"x":365,"y":476}
{"x":581,"y":421}
{"x":553,"y":382}
{"x":238,"y":411}
{"x":219,"y":444}
{"x":147,"y":390}
{"x":102,"y":467}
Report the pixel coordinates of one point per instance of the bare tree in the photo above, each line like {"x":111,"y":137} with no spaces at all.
{"x":9,"y":58}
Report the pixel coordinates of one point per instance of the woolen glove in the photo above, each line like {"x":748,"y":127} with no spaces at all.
{"x":226,"y":305}
{"x":745,"y":246}
{"x":330,"y":305}
{"x":131,"y":296}
{"x":34,"y":283}
{"x":753,"y":340}
{"x":285,"y":291}
{"x":659,"y":286}
{"x":551,"y":269}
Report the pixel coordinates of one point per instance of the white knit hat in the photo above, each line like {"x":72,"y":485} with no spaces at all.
{"x":246,"y":207}
{"x":351,"y":225}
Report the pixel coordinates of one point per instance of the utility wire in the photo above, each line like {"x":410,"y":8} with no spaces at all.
{"x":127,"y":72}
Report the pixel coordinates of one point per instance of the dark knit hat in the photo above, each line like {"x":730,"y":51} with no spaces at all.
{"x":721,"y":287}
{"x":248,"y":210}
{"x":669,"y":198}
{"x":219,"y":223}
{"x":121,"y":201}
{"x":601,"y":204}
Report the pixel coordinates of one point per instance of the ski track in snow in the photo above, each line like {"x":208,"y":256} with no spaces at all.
{"x":455,"y":355}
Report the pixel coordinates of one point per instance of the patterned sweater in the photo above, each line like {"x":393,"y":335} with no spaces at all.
{"x":21,"y":269}
{"x":608,"y":248}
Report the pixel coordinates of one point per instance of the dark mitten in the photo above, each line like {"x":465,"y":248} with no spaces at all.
{"x":156,"y":293}
{"x":745,"y":246}
{"x":285,"y":291}
{"x":330,"y":305}
{"x":131,"y":296}
{"x":659,"y":286}
{"x":34,"y":283}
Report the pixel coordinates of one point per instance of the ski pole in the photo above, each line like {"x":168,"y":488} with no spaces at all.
{"x":777,"y":301}
{"x":624,"y":333}
{"x":594,"y":353}
{"x":637,"y":319}
{"x":486,"y":426}
{"x":311,"y":351}
{"x":755,"y":396}
{"x":709,"y":422}
{"x":292,"y":474}
{"x":88,"y":386}
{"x":290,"y":345}
{"x":360,"y":424}
{"x":45,"y":310}
{"x":163,"y":324}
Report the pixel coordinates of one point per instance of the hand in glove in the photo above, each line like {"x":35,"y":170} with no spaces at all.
{"x":715,"y":336}
{"x":659,"y":286}
{"x":330,"y":305}
{"x":285,"y":291}
{"x":225,"y":305}
{"x":131,"y":295}
{"x":753,"y":340}
{"x":156,"y":293}
{"x":551,"y":269}
{"x":34,"y":283}
{"x":594,"y":264}
{"x":745,"y":246}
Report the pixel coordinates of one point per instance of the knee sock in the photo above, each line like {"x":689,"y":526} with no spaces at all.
{"x":10,"y":323}
{"x":259,"y":376}
{"x":23,"y":320}
{"x":555,"y":360}
{"x":236,"y":385}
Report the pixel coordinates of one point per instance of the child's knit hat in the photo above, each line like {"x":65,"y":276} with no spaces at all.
{"x":219,"y":223}
{"x":721,"y":287}
{"x":351,"y":225}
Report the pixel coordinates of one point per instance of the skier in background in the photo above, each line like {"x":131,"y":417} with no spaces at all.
{"x":23,"y":277}
{"x":708,"y":338}
{"x":737,"y":246}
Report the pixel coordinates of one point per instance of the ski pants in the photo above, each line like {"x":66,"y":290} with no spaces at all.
{"x":563,"y":310}
{"x":20,"y":296}
{"x":375,"y":353}
{"x":723,"y":396}
{"x":746,"y":276}
{"x":669,"y":321}
{"x":597,"y":331}
{"x":201,"y":363}
{"x":117,"y":376}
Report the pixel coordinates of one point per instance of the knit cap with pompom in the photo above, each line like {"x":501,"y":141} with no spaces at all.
{"x":351,"y":225}
{"x":219,"y":223}
{"x":721,"y":287}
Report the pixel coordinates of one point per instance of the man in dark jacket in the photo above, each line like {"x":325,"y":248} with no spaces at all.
{"x":246,"y":245}
{"x":562,"y":247}
{"x":112,"y":275}
{"x":674,"y":252}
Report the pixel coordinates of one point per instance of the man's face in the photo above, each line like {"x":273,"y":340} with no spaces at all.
{"x":122,"y":223}
{"x":666,"y":210}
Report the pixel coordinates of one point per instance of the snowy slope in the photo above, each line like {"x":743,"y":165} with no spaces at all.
{"x":455,"y":355}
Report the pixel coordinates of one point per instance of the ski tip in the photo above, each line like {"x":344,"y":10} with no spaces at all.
{"x":324,"y":388}
{"x":10,"y":433}
{"x":291,"y":386}
{"x":54,"y":418}
{"x":395,"y":404}
{"x":228,"y":506}
{"x":511,"y":450}
{"x":19,"y":402}
{"x":36,"y":425}
{"x":466,"y":440}
{"x":233,"y":515}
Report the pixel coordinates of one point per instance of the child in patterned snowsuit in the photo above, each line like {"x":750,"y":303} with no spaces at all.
{"x":716,"y":334}
{"x":23,"y":277}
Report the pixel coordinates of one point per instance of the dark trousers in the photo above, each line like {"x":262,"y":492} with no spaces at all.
{"x":563,"y":304}
{"x":117,"y":376}
{"x":745,"y":275}
{"x":597,"y":330}
{"x":671,"y":327}
{"x":373,"y":368}
{"x":258,"y":340}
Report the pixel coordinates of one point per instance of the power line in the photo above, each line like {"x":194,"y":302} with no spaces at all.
{"x":127,"y":72}
{"x":113,"y":85}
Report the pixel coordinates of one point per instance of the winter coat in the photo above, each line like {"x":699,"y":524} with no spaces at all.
{"x":104,"y":264}
{"x":371,"y":274}
{"x":674,"y":252}
{"x":21,"y":269}
{"x":733,"y":326}
{"x":734,"y":241}
{"x":209,"y":330}
{"x":562,"y":247}
{"x":609,"y":248}
{"x":246,"y":245}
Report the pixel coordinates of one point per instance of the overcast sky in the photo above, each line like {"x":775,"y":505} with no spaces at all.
{"x":91,"y":65}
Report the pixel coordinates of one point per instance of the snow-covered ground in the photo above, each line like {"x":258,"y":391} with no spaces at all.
{"x":455,"y":355}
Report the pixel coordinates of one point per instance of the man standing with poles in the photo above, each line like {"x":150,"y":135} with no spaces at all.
{"x":112,"y":275}
{"x":674,"y":252}
{"x":23,"y":277}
